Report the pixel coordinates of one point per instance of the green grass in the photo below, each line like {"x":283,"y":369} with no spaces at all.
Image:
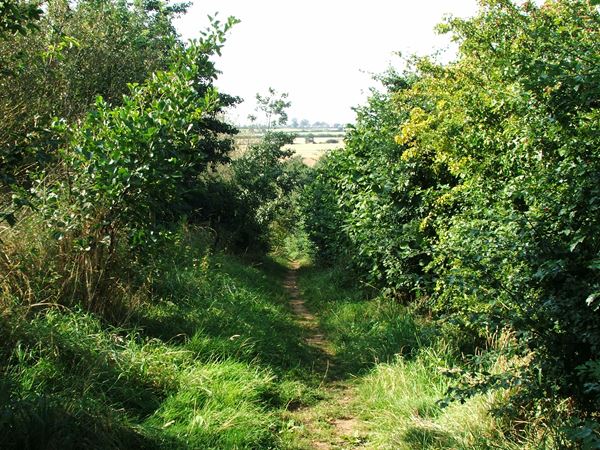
{"x":210,"y":359}
{"x":363,"y":332}
{"x":395,"y":361}
{"x":209,"y":356}
{"x":399,"y":401}
{"x":230,"y":309}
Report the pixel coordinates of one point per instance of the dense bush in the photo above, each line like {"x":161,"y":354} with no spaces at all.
{"x":132,"y":163}
{"x":119,"y":174}
{"x":367,"y":202}
{"x":245,"y":199}
{"x":121,"y":181}
{"x":475,"y":184}
{"x":18,"y":17}
{"x":55,"y":62}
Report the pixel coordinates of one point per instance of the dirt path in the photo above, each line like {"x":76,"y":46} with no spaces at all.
{"x":330,"y":424}
{"x":315,"y":337}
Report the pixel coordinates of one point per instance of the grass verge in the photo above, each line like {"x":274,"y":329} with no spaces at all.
{"x":395,"y":362}
{"x":209,"y":359}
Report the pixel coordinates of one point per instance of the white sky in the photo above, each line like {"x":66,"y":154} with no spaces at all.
{"x":321,"y":52}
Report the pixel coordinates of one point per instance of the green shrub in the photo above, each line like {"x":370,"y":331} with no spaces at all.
{"x":55,"y":61}
{"x":473,"y":185}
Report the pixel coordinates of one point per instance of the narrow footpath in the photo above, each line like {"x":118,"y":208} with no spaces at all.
{"x":331,"y":423}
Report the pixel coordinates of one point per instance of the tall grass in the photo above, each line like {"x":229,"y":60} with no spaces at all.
{"x":398,"y":363}
{"x":197,"y":350}
{"x":399,"y":401}
{"x":204,"y":354}
{"x":40,"y":269}
{"x":364,"y":332}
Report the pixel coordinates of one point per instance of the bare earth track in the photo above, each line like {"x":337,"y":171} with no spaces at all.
{"x":329,"y":425}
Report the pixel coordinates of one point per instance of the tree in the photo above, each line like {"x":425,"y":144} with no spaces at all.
{"x":18,"y":17}
{"x":129,"y":167}
{"x":273,"y":106}
{"x":77,"y":51}
{"x":475,"y":186}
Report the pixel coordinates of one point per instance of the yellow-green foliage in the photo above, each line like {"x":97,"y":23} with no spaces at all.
{"x":474,"y":186}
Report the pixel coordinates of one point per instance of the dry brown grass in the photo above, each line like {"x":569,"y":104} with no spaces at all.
{"x":38,"y":271}
{"x":310,"y":153}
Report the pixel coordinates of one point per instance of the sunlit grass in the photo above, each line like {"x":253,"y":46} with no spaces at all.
{"x":208,"y":359}
{"x":399,"y":401}
{"x":396,"y":362}
{"x":363,"y":332}
{"x":210,"y":356}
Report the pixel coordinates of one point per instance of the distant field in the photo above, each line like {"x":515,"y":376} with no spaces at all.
{"x":310,"y":153}
{"x":310,"y":144}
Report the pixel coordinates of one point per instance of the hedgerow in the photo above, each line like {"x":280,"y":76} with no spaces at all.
{"x":473,"y":185}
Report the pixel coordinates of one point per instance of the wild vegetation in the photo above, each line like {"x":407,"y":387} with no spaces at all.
{"x":447,"y":256}
{"x":470,"y":190}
